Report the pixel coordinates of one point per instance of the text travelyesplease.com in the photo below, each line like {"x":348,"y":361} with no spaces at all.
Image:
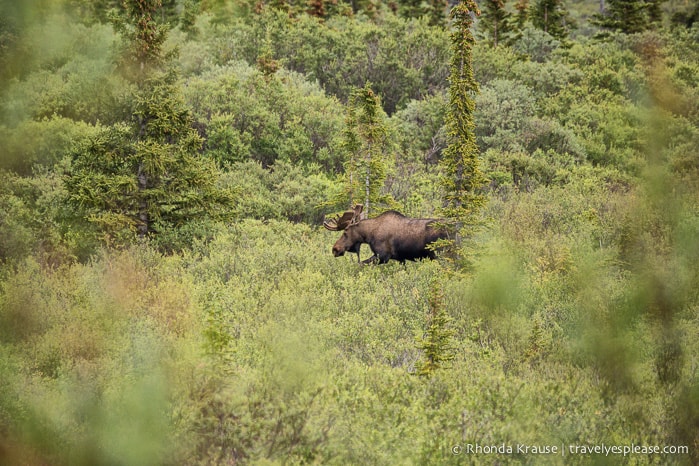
{"x":571,"y":449}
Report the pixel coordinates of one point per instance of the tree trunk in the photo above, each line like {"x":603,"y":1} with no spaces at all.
{"x":351,"y":182}
{"x":367,"y":185}
{"x":143,"y":217}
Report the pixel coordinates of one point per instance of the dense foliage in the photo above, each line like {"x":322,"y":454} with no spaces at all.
{"x":167,"y":291}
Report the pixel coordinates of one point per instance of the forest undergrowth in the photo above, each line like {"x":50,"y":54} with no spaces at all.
{"x":168,"y":294}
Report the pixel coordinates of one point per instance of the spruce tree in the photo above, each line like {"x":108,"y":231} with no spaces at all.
{"x":411,"y":8}
{"x":462,"y":179}
{"x":434,"y":10}
{"x":522,"y":15}
{"x":144,"y":175}
{"x":265,"y":61}
{"x":365,"y":141}
{"x":626,"y":16}
{"x":654,"y":12}
{"x":552,"y":17}
{"x":373,"y":131}
{"x":495,"y":22}
{"x":437,"y":343}
{"x":188,"y":18}
{"x":351,"y":146}
{"x":685,"y":17}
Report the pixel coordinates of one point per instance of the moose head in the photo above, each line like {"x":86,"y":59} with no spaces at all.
{"x":342,"y":223}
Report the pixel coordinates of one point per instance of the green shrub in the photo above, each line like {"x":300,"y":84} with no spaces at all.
{"x":43,"y":143}
{"x":283,"y":191}
{"x":245,"y":117}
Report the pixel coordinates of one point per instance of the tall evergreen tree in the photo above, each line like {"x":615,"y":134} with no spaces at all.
{"x":437,"y":343}
{"x":522,"y":15}
{"x":686,"y":17}
{"x":494,"y":23}
{"x":627,"y":16}
{"x":373,"y":131}
{"x":265,"y":61}
{"x":462,"y":178}
{"x":411,"y":8}
{"x":654,"y":12}
{"x":437,"y":12}
{"x":552,"y":17}
{"x":351,"y":146}
{"x":145,"y":174}
{"x":188,"y":18}
{"x":434,"y":10}
{"x":365,"y":141}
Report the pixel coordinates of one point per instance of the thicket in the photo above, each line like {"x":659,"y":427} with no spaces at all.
{"x":227,"y":333}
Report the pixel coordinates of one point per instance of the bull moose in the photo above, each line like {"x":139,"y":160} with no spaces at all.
{"x":391,"y":235}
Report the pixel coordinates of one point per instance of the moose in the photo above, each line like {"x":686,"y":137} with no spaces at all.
{"x":391,"y":235}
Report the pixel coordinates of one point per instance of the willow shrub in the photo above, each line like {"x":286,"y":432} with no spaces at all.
{"x":92,"y":356}
{"x":259,"y":345}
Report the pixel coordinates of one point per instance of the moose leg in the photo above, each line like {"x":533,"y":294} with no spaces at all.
{"x":384,"y":258}
{"x":356,"y":248}
{"x":370,"y":260}
{"x":383,"y":250}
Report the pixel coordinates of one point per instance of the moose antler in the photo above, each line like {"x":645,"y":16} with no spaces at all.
{"x":349,"y":218}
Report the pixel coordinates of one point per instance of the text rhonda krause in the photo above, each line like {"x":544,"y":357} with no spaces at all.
{"x":572,"y":449}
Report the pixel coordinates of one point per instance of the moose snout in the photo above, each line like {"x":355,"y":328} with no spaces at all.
{"x":337,"y":251}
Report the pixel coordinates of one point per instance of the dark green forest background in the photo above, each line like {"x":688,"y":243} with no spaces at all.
{"x":167,"y":291}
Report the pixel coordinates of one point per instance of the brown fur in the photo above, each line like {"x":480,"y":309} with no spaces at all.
{"x":391,"y":235}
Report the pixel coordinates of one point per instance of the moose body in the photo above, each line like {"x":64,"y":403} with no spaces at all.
{"x":391,"y":235}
